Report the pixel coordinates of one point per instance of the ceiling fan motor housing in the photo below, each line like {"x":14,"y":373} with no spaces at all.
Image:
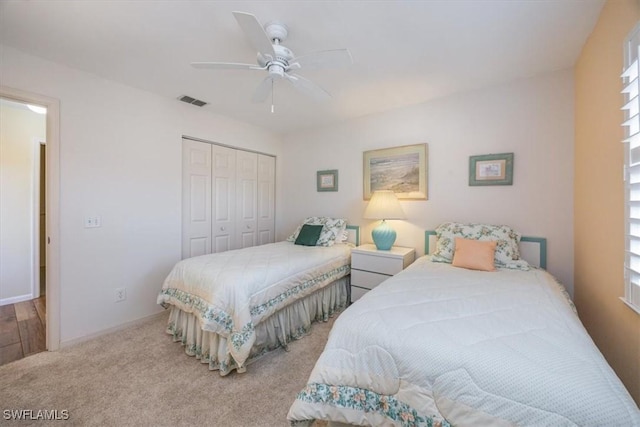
{"x":279,"y":65}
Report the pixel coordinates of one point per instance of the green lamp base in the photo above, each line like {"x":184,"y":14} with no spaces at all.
{"x":383,"y":236}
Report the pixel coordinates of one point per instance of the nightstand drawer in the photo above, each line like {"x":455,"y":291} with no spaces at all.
{"x":378,"y":264}
{"x":367,"y":279}
{"x":356,"y":293}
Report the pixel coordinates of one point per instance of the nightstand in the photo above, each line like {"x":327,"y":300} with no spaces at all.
{"x":370,"y":267}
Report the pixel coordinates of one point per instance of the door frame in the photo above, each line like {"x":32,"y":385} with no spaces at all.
{"x":37,"y":143}
{"x":52,"y":206}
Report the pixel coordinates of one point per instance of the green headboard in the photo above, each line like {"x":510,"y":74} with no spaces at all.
{"x":354,"y":234}
{"x":532,"y":249}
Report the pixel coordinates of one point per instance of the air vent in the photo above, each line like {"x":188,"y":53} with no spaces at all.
{"x":193,"y":101}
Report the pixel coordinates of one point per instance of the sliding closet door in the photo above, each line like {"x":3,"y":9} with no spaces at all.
{"x":228,"y":198}
{"x":196,"y":198}
{"x":246,"y":198}
{"x":266,"y":199}
{"x":224,"y":193}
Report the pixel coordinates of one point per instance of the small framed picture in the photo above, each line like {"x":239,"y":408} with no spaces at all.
{"x":327,"y":180}
{"x":491,"y":169}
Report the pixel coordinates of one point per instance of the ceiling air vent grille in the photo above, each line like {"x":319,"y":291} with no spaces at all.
{"x":193,"y":101}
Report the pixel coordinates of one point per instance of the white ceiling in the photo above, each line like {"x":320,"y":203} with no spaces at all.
{"x":405,"y":52}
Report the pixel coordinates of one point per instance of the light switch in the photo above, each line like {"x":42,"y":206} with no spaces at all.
{"x":92,"y":222}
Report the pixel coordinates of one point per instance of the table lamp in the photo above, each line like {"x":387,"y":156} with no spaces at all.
{"x":384,"y":205}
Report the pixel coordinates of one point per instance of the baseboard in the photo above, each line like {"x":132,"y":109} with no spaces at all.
{"x":117,"y":328}
{"x":13,"y":300}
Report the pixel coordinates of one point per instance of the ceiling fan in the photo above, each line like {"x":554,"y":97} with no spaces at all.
{"x":279,"y":61}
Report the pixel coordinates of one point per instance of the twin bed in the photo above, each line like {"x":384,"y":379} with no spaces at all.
{"x":229,"y":308}
{"x":438,"y":345}
{"x":435,"y":345}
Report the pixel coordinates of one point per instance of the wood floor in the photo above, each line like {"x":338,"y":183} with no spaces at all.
{"x":22,"y":329}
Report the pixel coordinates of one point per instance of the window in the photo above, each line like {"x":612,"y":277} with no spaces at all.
{"x":631,"y":124}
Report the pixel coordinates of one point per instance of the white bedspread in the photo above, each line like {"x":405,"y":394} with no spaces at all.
{"x":439,"y":345}
{"x":231,"y":292}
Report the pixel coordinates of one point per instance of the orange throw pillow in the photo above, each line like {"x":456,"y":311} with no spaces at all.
{"x":474,"y":254}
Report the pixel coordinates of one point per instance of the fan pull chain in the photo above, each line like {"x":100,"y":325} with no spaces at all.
{"x":272,"y":90}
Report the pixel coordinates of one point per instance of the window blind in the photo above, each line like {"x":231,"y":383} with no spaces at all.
{"x":631,"y":124}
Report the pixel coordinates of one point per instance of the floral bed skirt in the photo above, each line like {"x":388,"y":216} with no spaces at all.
{"x":292,"y":322}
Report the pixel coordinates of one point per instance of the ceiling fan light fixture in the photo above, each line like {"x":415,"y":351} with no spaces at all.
{"x":276,"y":70}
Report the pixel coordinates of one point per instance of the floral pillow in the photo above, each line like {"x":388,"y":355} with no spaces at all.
{"x":507,"y":254}
{"x":332,"y":229}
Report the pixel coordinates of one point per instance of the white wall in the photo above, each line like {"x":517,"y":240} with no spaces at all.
{"x":120,"y":158}
{"x":20,"y":131}
{"x":532,"y":118}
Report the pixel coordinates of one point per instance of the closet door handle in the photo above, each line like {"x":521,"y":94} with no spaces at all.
{"x":222,"y":228}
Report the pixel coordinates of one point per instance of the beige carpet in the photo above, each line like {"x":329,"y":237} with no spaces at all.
{"x":139,"y":377}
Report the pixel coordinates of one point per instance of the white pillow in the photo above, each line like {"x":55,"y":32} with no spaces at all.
{"x":332,"y":229}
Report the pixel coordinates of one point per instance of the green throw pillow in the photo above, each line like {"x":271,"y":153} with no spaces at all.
{"x":309,"y":235}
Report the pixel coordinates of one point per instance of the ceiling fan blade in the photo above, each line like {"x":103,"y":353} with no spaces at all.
{"x":263,"y":90}
{"x":307,"y":87}
{"x":262,"y":60}
{"x":226,"y":66}
{"x":323,"y":59}
{"x":255,"y":33}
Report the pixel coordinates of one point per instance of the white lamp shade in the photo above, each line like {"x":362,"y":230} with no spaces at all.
{"x":384,"y":205}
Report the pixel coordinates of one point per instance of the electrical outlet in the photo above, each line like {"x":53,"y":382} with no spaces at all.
{"x":121,"y":294}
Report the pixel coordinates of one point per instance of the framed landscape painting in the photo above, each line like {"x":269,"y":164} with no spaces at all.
{"x":402,"y":170}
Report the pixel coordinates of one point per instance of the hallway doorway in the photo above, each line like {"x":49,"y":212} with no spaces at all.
{"x":22,"y":229}
{"x":29,"y":298}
